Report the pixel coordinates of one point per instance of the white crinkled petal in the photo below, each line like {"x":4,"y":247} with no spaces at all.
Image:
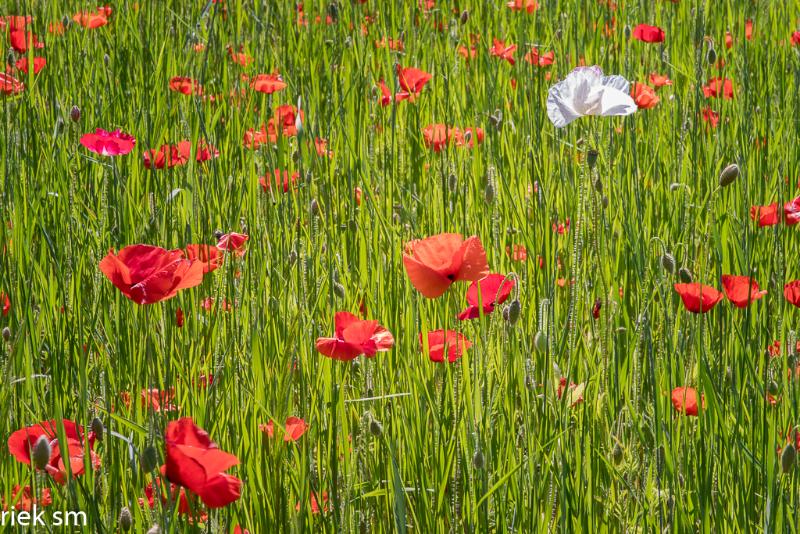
{"x":616,"y":102}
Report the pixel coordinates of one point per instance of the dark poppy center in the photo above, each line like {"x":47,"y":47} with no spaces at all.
{"x":451,"y":277}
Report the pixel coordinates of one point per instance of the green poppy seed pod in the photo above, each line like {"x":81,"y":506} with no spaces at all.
{"x":514,"y":310}
{"x":598,"y":185}
{"x":540,"y":341}
{"x":75,"y":114}
{"x":711,"y":55}
{"x":489,"y":193}
{"x":125,"y":519}
{"x":685,"y":275}
{"x":478,"y":461}
{"x":728,"y":175}
{"x":464,"y":17}
{"x":452,"y":182}
{"x":375,"y":427}
{"x":788,"y":458}
{"x":617,"y":454}
{"x":6,"y":333}
{"x":338,"y":290}
{"x":97,"y":428}
{"x":155,"y":529}
{"x":41,"y":452}
{"x":149,"y":459}
{"x":627,"y":32}
{"x":591,"y":158}
{"x":668,"y":262}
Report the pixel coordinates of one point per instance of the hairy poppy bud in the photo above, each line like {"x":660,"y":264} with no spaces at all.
{"x":292,"y":257}
{"x":668,"y":262}
{"x":314,"y":207}
{"x":627,"y":32}
{"x":728,"y":175}
{"x":685,"y":275}
{"x":711,"y":55}
{"x":75,"y":114}
{"x":489,"y":193}
{"x":464,"y":16}
{"x":591,"y":158}
{"x":97,"y":428}
{"x":452,"y":182}
{"x":512,"y":311}
{"x":375,"y":427}
{"x":41,"y":452}
{"x":788,"y":458}
{"x":478,"y":461}
{"x":6,"y":333}
{"x":338,"y":290}
{"x":540,"y":341}
{"x":333,"y":11}
{"x":617,"y":455}
{"x":149,"y":460}
{"x":125,"y":519}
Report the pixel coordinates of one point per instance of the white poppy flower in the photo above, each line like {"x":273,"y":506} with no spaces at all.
{"x":585,"y":91}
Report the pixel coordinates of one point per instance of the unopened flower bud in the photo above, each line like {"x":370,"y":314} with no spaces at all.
{"x":711,"y":55}
{"x":685,"y":275}
{"x":375,"y":427}
{"x":591,"y":158}
{"x":617,"y":454}
{"x":464,"y":16}
{"x":627,"y":32}
{"x":41,"y":452}
{"x":788,"y":458}
{"x":478,"y":461}
{"x":149,"y":459}
{"x":314,"y":207}
{"x":668,"y":262}
{"x":728,"y":175}
{"x":489,"y":193}
{"x":75,"y":114}
{"x":338,"y":290}
{"x":512,"y":311}
{"x":6,"y":333}
{"x":452,"y":182}
{"x":598,"y":185}
{"x":125,"y":519}
{"x":97,"y":428}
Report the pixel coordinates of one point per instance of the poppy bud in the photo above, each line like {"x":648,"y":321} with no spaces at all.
{"x":627,"y":32}
{"x":728,"y":175}
{"x":464,"y":16}
{"x":685,"y":275}
{"x":106,"y":59}
{"x":591,"y":158}
{"x":540,"y":341}
{"x":333,"y":11}
{"x":452,"y":182}
{"x":59,"y":125}
{"x":6,"y":333}
{"x":41,"y":452}
{"x":668,"y":262}
{"x":773,"y":388}
{"x":489,"y":193}
{"x":97,"y":428}
{"x":617,"y":455}
{"x":314,"y":207}
{"x":66,"y":21}
{"x":375,"y":427}
{"x":292,"y":257}
{"x":149,"y":459}
{"x":338,"y":290}
{"x":125,"y":519}
{"x":788,"y":457}
{"x":598,"y":185}
{"x":512,"y":311}
{"x":155,"y":529}
{"x":478,"y":460}
{"x":218,"y":234}
{"x":711,"y":55}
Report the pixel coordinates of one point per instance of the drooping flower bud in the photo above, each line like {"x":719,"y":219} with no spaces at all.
{"x":668,"y":262}
{"x":685,"y":275}
{"x":125,"y":519}
{"x":728,"y":175}
{"x":75,"y":114}
{"x":98,"y":429}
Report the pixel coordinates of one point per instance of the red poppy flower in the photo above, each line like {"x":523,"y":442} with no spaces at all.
{"x":490,"y":292}
{"x":209,"y":303}
{"x":719,"y":87}
{"x":196,"y":463}
{"x":435,"y":136}
{"x":6,"y":304}
{"x":24,"y":499}
{"x":528,"y":6}
{"x":648,"y":34}
{"x":176,"y":494}
{"x":392,"y":44}
{"x":792,"y":292}
{"x":411,"y":80}
{"x":434,"y":263}
{"x":791,"y":211}
{"x":315,"y":508}
{"x":684,"y":399}
{"x":354,"y":337}
{"x":286,"y":119}
{"x":10,"y":85}
{"x":796,"y":38}
{"x":467,"y":53}
{"x":540,"y":60}
{"x":15,"y":22}
{"x":179,"y":318}
{"x":91,"y":20}
{"x":186,"y":86}
{"x":21,"y":39}
{"x":289,"y":181}
{"x":321,"y":147}
{"x":240,"y":58}
{"x":741,"y":290}
{"x":295,"y":428}
{"x":158,"y":401}
{"x":748,"y":29}
{"x":386,"y":94}
{"x":21,"y":443}
{"x":177,"y":155}
{"x":239,"y":530}
{"x":146,"y":274}
{"x":440,"y":341}
{"x":503,"y":51}
{"x":208,"y":255}
{"x":575,"y":391}
{"x":116,"y":143}
{"x":517,"y":252}
{"x":659,"y":80}
{"x":644,"y":96}
{"x":710,"y":117}
{"x":255,"y":138}
{"x":698,"y":298}
{"x":38,"y":64}
{"x":728,"y":40}
{"x":233,"y":242}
